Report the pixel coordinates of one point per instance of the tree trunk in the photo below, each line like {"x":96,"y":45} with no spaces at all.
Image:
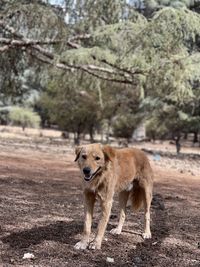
{"x":195,"y":139}
{"x":77,"y":138}
{"x":178,"y":145}
{"x":91,"y":133}
{"x":102,"y":134}
{"x":185,"y":136}
{"x":108,"y":132}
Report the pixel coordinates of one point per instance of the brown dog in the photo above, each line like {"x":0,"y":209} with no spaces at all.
{"x":106,"y":170}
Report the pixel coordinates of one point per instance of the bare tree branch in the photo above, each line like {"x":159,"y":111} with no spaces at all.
{"x":80,"y":67}
{"x":26,"y":42}
{"x":106,"y":78}
{"x":49,"y":61}
{"x":4,"y":48}
{"x":69,"y":42}
{"x":92,"y":67}
{"x":80,"y":37}
{"x":131,"y":72}
{"x":47,"y":56}
{"x":72,"y":44}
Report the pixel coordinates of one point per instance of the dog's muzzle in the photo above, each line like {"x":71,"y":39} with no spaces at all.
{"x":89,"y":178}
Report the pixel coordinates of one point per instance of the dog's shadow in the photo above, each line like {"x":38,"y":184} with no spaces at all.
{"x":65,"y":232}
{"x":143,"y":254}
{"x":59,"y":231}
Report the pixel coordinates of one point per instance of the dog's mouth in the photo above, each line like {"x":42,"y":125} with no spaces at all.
{"x":90,"y":177}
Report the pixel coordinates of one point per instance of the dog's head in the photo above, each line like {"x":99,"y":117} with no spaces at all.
{"x":92,"y":159}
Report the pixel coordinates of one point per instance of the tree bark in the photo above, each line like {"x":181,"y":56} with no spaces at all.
{"x":178,"y":145}
{"x":77,"y":138}
{"x":195,"y":139}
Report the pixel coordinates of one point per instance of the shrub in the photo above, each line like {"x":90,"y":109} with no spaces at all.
{"x":24,"y":117}
{"x":124,"y":125}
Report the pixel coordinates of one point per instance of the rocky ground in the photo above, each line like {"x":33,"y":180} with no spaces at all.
{"x":41,"y":211}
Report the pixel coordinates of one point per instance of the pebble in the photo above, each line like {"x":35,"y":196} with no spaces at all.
{"x":108,"y":259}
{"x":28,"y":256}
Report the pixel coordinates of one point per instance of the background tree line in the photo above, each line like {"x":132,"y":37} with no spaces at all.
{"x":103,"y":66}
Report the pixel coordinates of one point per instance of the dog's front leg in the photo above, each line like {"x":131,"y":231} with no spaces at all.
{"x":89,"y":207}
{"x":106,"y":206}
{"x":123,"y":198}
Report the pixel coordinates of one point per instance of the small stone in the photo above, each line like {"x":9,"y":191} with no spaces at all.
{"x":111,"y":260}
{"x":28,"y":256}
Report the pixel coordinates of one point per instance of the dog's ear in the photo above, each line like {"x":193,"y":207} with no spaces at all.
{"x":77,"y":152}
{"x":109,"y":152}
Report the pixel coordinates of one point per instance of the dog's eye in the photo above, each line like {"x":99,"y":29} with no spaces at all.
{"x":84,"y":156}
{"x":97,"y":158}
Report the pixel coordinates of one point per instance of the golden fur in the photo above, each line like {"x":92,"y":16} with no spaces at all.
{"x":106,"y":170}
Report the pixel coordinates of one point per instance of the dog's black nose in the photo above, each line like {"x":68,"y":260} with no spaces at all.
{"x":86,"y":170}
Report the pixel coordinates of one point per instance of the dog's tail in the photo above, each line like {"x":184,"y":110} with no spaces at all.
{"x":137,"y":196}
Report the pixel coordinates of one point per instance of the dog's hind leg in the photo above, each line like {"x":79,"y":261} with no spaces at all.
{"x":89,"y":207}
{"x":147,"y":204}
{"x":123,"y":198}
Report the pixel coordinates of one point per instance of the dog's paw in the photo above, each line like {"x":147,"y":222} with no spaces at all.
{"x":116,"y":231}
{"x":146,"y":235}
{"x":95,"y":245}
{"x":81,"y":245}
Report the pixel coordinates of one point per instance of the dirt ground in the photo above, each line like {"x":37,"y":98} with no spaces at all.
{"x":41,"y":212}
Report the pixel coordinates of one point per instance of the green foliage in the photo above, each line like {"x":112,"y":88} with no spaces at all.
{"x":172,"y":86}
{"x":169,"y":121}
{"x":154,"y":129}
{"x":87,"y":15}
{"x":124,"y":125}
{"x":165,"y":49}
{"x":72,"y":103}
{"x":34,"y":20}
{"x":4,"y":115}
{"x":106,"y":44}
{"x":154,"y":5}
{"x":24,"y":117}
